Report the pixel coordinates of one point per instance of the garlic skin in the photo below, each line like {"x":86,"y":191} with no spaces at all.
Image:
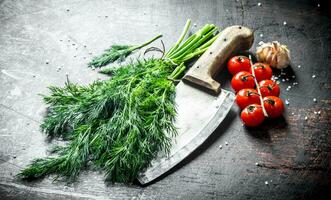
{"x":274,"y":54}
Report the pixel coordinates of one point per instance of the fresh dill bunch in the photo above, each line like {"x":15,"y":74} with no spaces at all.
{"x":117,"y":52}
{"x":120,"y":124}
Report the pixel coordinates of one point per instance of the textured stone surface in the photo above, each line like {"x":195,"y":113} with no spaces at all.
{"x":41,"y":41}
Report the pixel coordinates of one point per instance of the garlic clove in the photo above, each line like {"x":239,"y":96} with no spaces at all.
{"x":274,"y":54}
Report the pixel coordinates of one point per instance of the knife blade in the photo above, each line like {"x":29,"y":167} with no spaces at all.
{"x":201,"y":104}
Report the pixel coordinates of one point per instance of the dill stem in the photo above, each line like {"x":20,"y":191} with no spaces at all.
{"x":200,"y":50}
{"x":199,"y":38}
{"x":146,"y":43}
{"x":192,"y":47}
{"x":194,"y":54}
{"x":179,"y":72}
{"x":175,"y":46}
{"x":175,"y":71}
{"x":211,"y":41}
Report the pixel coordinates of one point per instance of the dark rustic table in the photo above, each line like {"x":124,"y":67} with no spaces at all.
{"x":288,"y":158}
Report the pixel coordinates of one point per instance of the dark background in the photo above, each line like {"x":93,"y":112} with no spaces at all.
{"x":41,"y":41}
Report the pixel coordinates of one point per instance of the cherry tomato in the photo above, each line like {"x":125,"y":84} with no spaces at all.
{"x":269,"y":88}
{"x":242,"y":80}
{"x":252,"y":115}
{"x":238,"y":64}
{"x":262,"y":71}
{"x":274,"y":106}
{"x":246,"y":97}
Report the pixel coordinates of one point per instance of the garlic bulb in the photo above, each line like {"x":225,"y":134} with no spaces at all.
{"x":274,"y":54}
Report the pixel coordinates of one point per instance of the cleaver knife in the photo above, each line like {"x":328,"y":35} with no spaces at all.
{"x":201,"y":103}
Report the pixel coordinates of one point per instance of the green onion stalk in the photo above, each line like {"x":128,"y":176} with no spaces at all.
{"x":117,"y":125}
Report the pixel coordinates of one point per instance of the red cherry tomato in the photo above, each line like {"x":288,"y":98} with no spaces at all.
{"x":242,"y":80}
{"x":252,"y":115}
{"x":274,"y":106}
{"x":269,"y":88}
{"x":262,"y":71}
{"x":246,"y":97}
{"x":238,"y":64}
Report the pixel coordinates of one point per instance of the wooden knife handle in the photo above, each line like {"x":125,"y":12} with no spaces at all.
{"x":230,"y":41}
